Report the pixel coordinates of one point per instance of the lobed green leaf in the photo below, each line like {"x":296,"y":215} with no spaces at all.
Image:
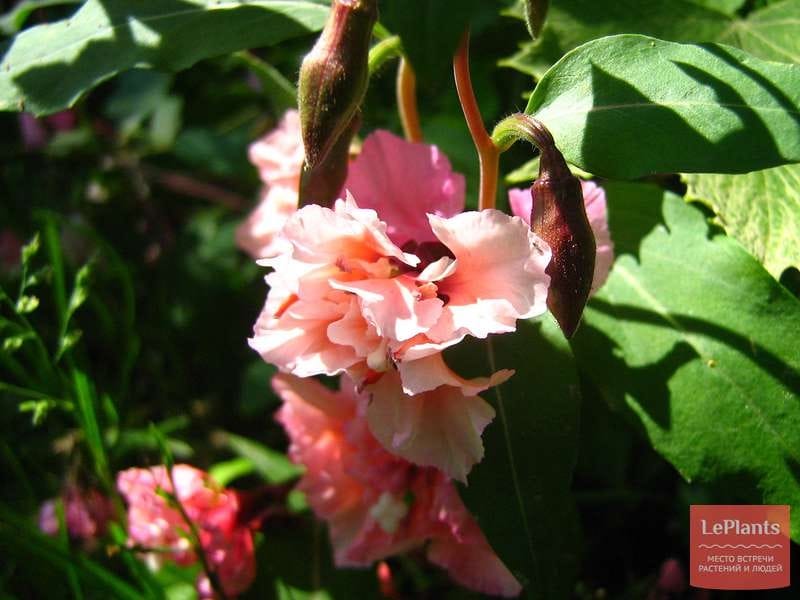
{"x":688,"y":338}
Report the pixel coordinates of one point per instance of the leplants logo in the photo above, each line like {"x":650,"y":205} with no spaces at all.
{"x":739,"y":547}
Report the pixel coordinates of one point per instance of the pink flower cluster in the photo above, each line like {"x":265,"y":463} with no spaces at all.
{"x":155,"y":523}
{"x":374,"y":289}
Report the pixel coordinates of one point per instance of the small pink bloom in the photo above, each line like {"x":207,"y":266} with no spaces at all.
{"x":594,"y":198}
{"x":86,"y":514}
{"x":377,"y":504}
{"x":154,"y":523}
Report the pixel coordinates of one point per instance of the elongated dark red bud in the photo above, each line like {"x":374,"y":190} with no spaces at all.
{"x":535,"y":14}
{"x":323,"y":183}
{"x":559,"y":217}
{"x":333,"y":77}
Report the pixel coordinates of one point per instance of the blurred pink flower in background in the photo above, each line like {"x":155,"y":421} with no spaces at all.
{"x":37,"y":131}
{"x":377,"y":504}
{"x":86,"y":514}
{"x":278,"y":156}
{"x":594,"y":198}
{"x":153,"y":522}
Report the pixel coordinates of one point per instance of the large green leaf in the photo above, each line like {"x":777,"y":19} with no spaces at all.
{"x":520,"y":492}
{"x":693,"y":340}
{"x":629,"y":105}
{"x":430,"y":30}
{"x":760,"y":209}
{"x":46,"y":68}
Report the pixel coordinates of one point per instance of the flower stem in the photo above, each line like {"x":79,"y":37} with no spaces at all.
{"x":407,"y":101}
{"x":488,"y":154}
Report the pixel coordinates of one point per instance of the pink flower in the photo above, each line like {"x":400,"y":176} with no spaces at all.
{"x":377,"y":504}
{"x":153,"y":522}
{"x":86,"y":514}
{"x":278,"y":156}
{"x":344,"y":296}
{"x":594,"y":198}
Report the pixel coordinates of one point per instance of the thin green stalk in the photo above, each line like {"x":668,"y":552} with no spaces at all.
{"x":279,"y":89}
{"x":383,"y":52}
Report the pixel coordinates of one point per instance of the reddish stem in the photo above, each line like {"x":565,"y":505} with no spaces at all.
{"x":488,"y":154}
{"x":407,"y":101}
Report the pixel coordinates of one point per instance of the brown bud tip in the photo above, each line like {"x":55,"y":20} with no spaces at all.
{"x":333,"y":76}
{"x":559,"y":217}
{"x":535,"y":14}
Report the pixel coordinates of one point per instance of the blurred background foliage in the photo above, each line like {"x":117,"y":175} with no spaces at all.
{"x":130,"y":305}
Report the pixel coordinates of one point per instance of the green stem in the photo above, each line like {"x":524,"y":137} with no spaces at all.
{"x":383,"y":52}
{"x":279,"y":89}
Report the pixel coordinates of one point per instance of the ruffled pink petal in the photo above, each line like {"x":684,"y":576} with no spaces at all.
{"x":441,"y":428}
{"x":394,"y":306}
{"x":320,"y":235}
{"x":499,"y":275}
{"x":404,"y":181}
{"x":594,"y":199}
{"x":473,"y":564}
{"x":279,"y":155}
{"x":297,"y":340}
{"x":256,"y":235}
{"x":426,"y":374}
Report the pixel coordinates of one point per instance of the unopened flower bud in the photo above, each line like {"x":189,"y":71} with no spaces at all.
{"x":333,"y":77}
{"x":559,"y":217}
{"x":322,"y":183}
{"x":535,"y":14}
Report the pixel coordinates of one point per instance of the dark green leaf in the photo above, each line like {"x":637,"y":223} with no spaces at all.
{"x":47,"y":68}
{"x":20,"y":540}
{"x":520,"y":492}
{"x":85,"y":400}
{"x":629,"y":105}
{"x":688,"y":338}
{"x":760,"y":209}
{"x":430,"y":30}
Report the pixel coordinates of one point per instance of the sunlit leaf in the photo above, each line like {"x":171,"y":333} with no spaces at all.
{"x":760,"y":209}
{"x":46,"y":68}
{"x":628,"y":105}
